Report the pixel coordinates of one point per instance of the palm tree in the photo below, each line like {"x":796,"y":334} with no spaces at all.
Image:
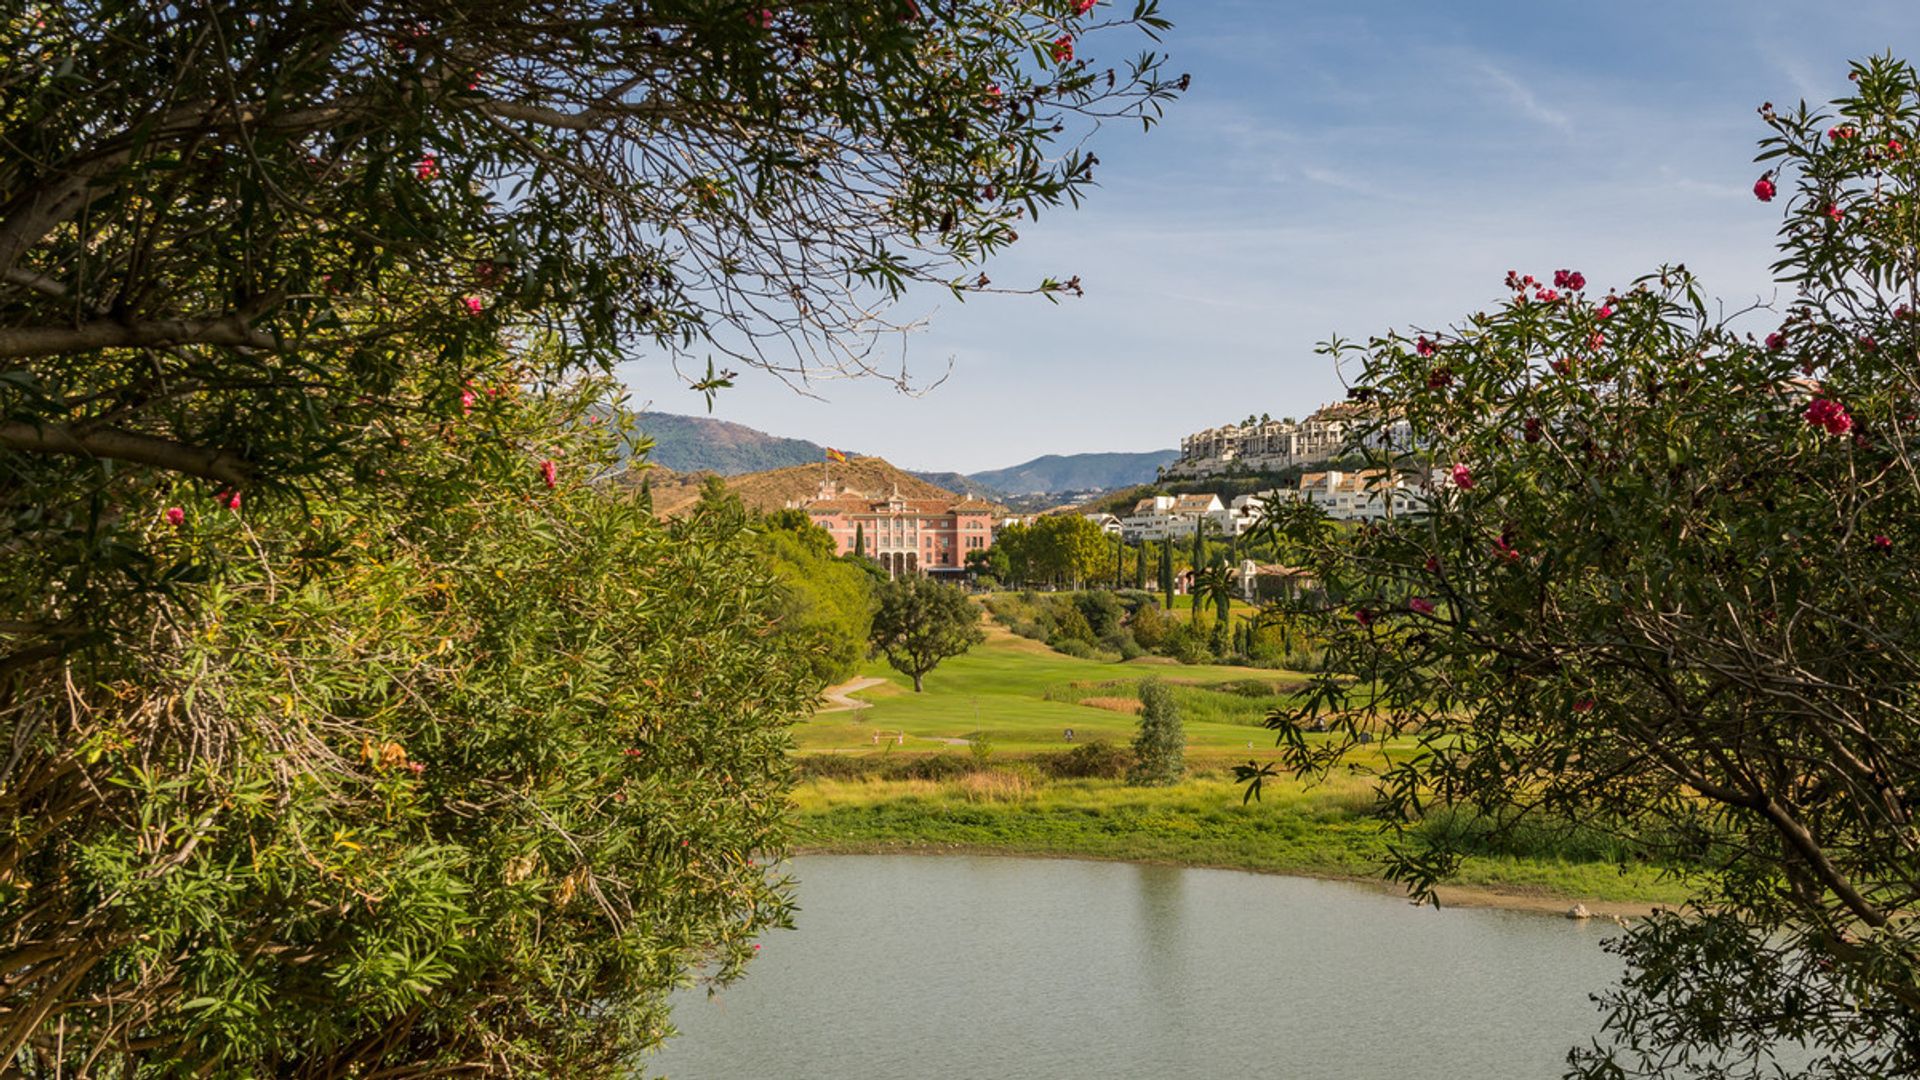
{"x":1215,"y":584}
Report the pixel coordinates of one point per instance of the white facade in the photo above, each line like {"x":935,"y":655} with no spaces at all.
{"x":1271,"y":445}
{"x":1367,"y":495}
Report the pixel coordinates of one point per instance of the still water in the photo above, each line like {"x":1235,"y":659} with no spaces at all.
{"x":922,"y":966}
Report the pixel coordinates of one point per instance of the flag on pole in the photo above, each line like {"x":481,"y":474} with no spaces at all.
{"x":835,"y":455}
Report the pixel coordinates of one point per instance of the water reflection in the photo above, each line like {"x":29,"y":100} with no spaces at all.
{"x":908,"y":966}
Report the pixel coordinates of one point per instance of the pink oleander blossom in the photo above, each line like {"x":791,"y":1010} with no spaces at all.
{"x":1462,"y":477}
{"x":1764,"y":190}
{"x":549,"y":473}
{"x":176,"y":516}
{"x":1828,"y":414}
{"x":1421,"y":604}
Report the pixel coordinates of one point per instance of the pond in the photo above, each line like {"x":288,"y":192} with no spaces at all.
{"x":938,"y":966}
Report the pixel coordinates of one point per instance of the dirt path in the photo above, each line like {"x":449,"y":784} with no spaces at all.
{"x":838,"y":701}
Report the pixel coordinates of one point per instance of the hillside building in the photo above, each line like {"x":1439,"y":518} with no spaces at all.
{"x":907,"y":536}
{"x":1271,"y":445}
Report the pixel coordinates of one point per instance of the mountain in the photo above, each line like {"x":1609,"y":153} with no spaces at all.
{"x":703,"y":444}
{"x":676,"y":492}
{"x":1078,"y":472}
{"x":960,"y":483}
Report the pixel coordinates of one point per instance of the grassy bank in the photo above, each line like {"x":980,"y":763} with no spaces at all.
{"x":975,"y":763}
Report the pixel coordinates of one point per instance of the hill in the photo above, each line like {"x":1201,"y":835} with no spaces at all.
{"x":960,"y":483}
{"x":1078,"y":472}
{"x":703,"y":444}
{"x":675,"y":493}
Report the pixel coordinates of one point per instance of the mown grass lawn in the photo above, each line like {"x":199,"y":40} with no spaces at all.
{"x":1015,"y":699}
{"x":1023,"y":697}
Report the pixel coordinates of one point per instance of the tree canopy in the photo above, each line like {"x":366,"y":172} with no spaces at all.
{"x":921,"y":622}
{"x":1666,"y":589}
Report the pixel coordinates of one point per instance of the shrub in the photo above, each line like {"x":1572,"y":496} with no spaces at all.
{"x":1096,"y":760}
{"x":1160,"y":750}
{"x":1074,"y":647}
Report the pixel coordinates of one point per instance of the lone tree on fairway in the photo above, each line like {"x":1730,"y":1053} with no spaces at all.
{"x":1670,"y":592}
{"x":922,"y":622}
{"x":1159,"y":751}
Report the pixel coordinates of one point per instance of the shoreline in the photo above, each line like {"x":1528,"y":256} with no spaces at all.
{"x":1449,"y":896}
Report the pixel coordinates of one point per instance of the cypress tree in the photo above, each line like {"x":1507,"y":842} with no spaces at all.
{"x":859,"y":538}
{"x":1166,"y":571}
{"x":1199,"y":560}
{"x":1140,"y":567}
{"x":1159,"y":751}
{"x":1119,"y":565}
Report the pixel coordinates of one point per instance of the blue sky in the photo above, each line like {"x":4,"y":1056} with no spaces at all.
{"x":1342,"y":169}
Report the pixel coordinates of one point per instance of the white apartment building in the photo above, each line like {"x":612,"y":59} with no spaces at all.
{"x":1365,"y":495}
{"x":1267,"y":445}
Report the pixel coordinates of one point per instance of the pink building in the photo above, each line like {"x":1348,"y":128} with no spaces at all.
{"x":907,"y":536}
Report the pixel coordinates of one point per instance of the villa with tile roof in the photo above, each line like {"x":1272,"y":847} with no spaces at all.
{"x":907,"y":536}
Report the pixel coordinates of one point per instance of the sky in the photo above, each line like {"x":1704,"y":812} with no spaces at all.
{"x":1342,"y":169}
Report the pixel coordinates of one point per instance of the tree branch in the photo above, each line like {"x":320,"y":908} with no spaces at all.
{"x":116,"y":445}
{"x":107,"y":334}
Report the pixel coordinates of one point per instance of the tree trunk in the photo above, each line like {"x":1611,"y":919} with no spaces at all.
{"x":917,"y":687}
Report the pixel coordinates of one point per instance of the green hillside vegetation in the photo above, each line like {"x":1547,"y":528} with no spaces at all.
{"x":1077,"y":472}
{"x":704,"y":444}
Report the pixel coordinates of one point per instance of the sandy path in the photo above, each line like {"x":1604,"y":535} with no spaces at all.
{"x":838,"y":701}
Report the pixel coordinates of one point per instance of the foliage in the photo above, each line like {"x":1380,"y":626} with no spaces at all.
{"x":826,"y":602}
{"x":1158,"y":751}
{"x":920,"y":622}
{"x":1095,"y":760}
{"x":1059,"y":549}
{"x":419,"y":752}
{"x":403,"y":788}
{"x":1669,"y":592}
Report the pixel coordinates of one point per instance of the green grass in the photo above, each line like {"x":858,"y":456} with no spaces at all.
{"x":1321,"y":831}
{"x":1023,"y":697}
{"x":1018,"y":697}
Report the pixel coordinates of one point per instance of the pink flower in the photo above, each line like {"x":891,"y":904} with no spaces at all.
{"x":1421,"y":604}
{"x":1882,"y":541}
{"x":1463,"y":478}
{"x":549,"y":473}
{"x":1531,"y":426}
{"x":1506,"y":550}
{"x":1832,"y":210}
{"x":1584,"y":705}
{"x":1439,"y":379}
{"x":1605,"y":312}
{"x":1063,"y":49}
{"x":1363,"y":616}
{"x":762,"y":18}
{"x":1562,"y":366}
{"x":1895,"y":146}
{"x":1763,"y":188}
{"x":631,"y":751}
{"x":1828,"y":414}
{"x":466,"y":401}
{"x":1423,"y":347}
{"x":428,"y":169}
{"x":1433,"y":565}
{"x":1572,"y":280}
{"x":1547,"y":296}
{"x":1842,"y":131}
{"x":1595,"y":340}
{"x":993,"y":91}
{"x":1776,"y":341}
{"x":228,"y":499}
{"x":473,"y":305}
{"x":756,"y":945}
{"x":416,"y":768}
{"x":176,"y":516}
